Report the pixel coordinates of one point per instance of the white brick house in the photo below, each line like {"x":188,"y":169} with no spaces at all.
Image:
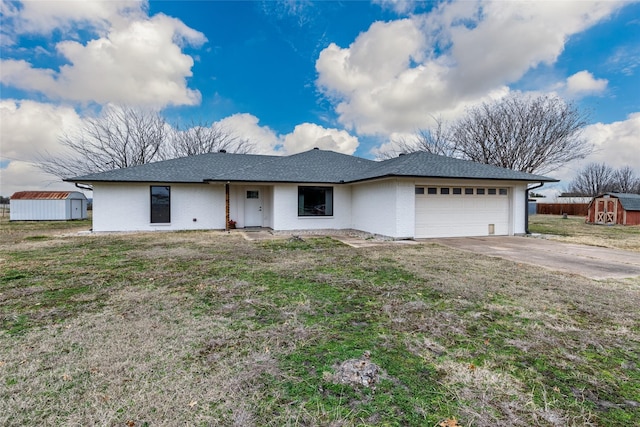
{"x":418,"y":195}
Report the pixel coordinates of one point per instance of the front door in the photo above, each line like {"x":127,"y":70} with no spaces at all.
{"x":252,"y":207}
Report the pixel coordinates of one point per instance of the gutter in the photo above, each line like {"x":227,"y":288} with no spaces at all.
{"x":526,"y":207}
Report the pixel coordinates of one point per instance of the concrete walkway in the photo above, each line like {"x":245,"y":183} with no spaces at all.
{"x":589,"y":261}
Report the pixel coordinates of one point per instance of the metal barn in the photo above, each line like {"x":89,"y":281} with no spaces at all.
{"x":615,"y":208}
{"x":47,"y":206}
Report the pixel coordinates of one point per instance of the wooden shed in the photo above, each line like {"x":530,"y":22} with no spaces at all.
{"x":47,"y":206}
{"x":615,"y":208}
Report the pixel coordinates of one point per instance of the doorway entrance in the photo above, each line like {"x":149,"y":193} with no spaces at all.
{"x":253,"y":207}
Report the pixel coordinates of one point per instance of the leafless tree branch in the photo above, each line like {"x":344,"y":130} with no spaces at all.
{"x":434,"y":140}
{"x":535,"y":135}
{"x":599,"y":178}
{"x":124,"y":137}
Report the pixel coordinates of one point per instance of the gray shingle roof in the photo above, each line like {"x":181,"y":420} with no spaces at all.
{"x":313,"y":166}
{"x":423,"y":164}
{"x":184,"y":169}
{"x":630,"y":202}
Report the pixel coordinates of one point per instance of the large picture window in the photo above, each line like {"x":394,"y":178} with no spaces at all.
{"x":160,"y":204}
{"x":315,"y":201}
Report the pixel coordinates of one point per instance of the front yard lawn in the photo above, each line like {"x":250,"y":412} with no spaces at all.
{"x":574,"y":229}
{"x":207,"y":328}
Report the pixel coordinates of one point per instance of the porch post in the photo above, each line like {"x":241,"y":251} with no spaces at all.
{"x":226,"y":208}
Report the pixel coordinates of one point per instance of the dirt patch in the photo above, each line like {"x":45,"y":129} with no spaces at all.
{"x":357,"y":372}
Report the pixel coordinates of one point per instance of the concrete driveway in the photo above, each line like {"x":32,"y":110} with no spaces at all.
{"x":589,"y":261}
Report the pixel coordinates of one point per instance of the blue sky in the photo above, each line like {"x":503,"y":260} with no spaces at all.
{"x":350,"y":76}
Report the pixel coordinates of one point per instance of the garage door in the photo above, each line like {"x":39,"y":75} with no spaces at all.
{"x":462,"y":211}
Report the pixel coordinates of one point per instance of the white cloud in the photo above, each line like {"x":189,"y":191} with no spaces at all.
{"x":307,"y":136}
{"x":399,"y":6}
{"x":45,"y":16}
{"x":583,"y":83}
{"x":615,"y":144}
{"x":395,"y":75}
{"x":304,"y":137}
{"x":138,"y":64}
{"x":24,"y":176}
{"x":246,"y":126}
{"x":31,"y":128}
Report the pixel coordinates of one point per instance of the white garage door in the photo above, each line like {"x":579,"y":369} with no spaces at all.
{"x":462,"y":211}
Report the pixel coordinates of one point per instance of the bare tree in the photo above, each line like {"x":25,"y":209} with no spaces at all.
{"x":434,"y":140}
{"x":529,"y":134}
{"x":535,"y":135}
{"x":122,"y":137}
{"x":200,"y":139}
{"x":119,"y":138}
{"x":593,"y":179}
{"x":625,"y":180}
{"x":599,"y":178}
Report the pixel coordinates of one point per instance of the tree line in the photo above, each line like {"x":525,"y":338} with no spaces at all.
{"x":599,"y":178}
{"x":534,"y":134}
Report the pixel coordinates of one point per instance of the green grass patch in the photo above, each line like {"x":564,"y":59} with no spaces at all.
{"x":211,"y":329}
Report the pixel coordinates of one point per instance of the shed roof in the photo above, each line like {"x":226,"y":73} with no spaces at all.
{"x":630,"y":202}
{"x":313,"y":166}
{"x":44,"y":195}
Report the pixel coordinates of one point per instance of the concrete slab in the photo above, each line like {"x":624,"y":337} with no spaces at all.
{"x":588,"y":261}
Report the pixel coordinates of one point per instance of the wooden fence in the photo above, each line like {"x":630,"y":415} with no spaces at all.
{"x":578,"y":209}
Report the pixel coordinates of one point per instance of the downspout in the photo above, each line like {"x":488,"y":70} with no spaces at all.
{"x":78,"y":185}
{"x":526,"y":207}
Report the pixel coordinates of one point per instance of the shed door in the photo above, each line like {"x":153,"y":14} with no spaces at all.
{"x":459,"y":212}
{"x":76,"y":209}
{"x":606,"y":210}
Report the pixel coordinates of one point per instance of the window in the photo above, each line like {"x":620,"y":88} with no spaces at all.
{"x":160,"y":204}
{"x":253,"y":194}
{"x":479,"y":190}
{"x":491,"y":191}
{"x":457,"y":191}
{"x":432,"y":190}
{"x":419,"y":190}
{"x":503,"y":192}
{"x":315,"y":201}
{"x":468,"y":191}
{"x":444,"y":190}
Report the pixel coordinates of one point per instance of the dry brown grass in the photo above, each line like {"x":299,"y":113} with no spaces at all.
{"x":207,"y":328}
{"x":576,"y":230}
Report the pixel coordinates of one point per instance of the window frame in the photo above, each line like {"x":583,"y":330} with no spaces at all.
{"x":161,"y":217}
{"x":328,"y":204}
